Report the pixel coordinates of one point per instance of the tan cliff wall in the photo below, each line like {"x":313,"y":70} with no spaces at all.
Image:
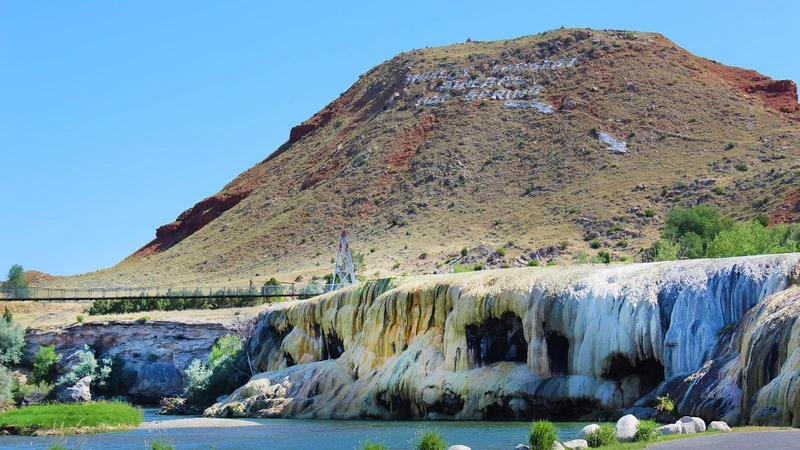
{"x":518,"y":343}
{"x":155,"y":353}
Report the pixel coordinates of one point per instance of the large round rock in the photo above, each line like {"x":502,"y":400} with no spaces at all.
{"x":588,"y":429}
{"x":626,"y":428}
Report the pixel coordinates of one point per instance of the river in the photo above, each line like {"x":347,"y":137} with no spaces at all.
{"x":286,"y":434}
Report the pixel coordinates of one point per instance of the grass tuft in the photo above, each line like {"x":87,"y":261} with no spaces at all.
{"x":542,"y":435}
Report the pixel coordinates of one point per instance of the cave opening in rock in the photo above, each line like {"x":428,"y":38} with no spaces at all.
{"x":497,"y":339}
{"x":650,"y":370}
{"x":333,"y":348}
{"x":557,"y":353}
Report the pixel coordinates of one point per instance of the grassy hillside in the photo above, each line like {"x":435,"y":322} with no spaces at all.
{"x":415,"y":180}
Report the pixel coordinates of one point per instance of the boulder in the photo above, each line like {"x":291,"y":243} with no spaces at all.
{"x":672,"y":428}
{"x":691,"y":425}
{"x":576,"y":444}
{"x":586,"y":430}
{"x":458,"y":447}
{"x":626,"y":428}
{"x":557,"y":446}
{"x":78,"y":392}
{"x":522,"y":447}
{"x":718,"y":425}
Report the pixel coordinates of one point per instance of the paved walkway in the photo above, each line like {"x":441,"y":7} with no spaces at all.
{"x":735,"y":441}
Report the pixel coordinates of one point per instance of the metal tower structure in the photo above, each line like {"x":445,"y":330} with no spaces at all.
{"x":344,"y":273}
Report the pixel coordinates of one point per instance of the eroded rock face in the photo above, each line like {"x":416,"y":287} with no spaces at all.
{"x":448,"y":346}
{"x":154,"y":353}
{"x":77,"y":393}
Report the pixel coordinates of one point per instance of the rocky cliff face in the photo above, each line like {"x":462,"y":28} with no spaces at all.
{"x":519,"y":343}
{"x":155,"y":353}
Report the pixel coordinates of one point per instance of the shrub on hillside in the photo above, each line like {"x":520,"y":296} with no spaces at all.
{"x":542,"y":435}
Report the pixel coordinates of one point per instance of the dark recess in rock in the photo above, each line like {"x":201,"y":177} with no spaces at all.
{"x":650,"y":371}
{"x":497,"y":339}
{"x":333,"y":348}
{"x":558,"y":353}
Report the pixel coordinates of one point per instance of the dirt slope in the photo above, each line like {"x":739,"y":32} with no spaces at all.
{"x":483,"y":143}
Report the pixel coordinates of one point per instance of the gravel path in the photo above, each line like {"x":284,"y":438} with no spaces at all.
{"x":737,"y":441}
{"x":197,"y":422}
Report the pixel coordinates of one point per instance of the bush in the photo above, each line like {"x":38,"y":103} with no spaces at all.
{"x":431,"y":440}
{"x":533,"y":263}
{"x":665,"y":405}
{"x":478,"y":266}
{"x":542,"y":435}
{"x":6,"y":387}
{"x":372,"y":446}
{"x":12,"y":339}
{"x":501,"y":251}
{"x":606,"y":435}
{"x":44,"y":364}
{"x":161,"y":445}
{"x":221,"y":375}
{"x":581,"y":257}
{"x":646,"y":431}
{"x":649,"y":212}
{"x":603,"y":257}
{"x":461,"y":269}
{"x":86,"y":366}
{"x":464,"y":251}
{"x":595,"y":244}
{"x":718,"y":190}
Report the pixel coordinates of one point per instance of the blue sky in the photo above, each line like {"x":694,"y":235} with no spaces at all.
{"x":117,"y":116}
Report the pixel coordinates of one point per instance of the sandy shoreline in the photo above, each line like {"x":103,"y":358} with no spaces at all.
{"x":196,"y":422}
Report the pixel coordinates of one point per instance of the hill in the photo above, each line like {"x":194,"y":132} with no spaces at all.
{"x":539,"y":144}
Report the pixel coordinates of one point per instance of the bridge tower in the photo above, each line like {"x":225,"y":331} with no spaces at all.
{"x":344,"y":273}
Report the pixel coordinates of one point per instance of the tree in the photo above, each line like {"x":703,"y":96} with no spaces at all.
{"x":245,"y":329}
{"x":15,"y":282}
{"x":12,"y":339}
{"x":44,"y":364}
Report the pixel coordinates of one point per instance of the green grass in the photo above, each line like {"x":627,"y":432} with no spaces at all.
{"x":88,"y":417}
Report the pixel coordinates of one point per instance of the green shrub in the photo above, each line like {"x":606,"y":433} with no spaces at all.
{"x":461,"y":269}
{"x":533,"y":263}
{"x":478,"y":266}
{"x":79,"y":318}
{"x":649,"y":212}
{"x":646,"y":431}
{"x":86,"y":366}
{"x":718,"y":190}
{"x":501,"y":251}
{"x":564,"y":244}
{"x":665,"y":404}
{"x":221,"y":375}
{"x":12,"y":339}
{"x":372,"y":446}
{"x":143,"y":319}
{"x":581,"y":257}
{"x":603,"y":257}
{"x":22,"y":390}
{"x":595,"y":244}
{"x":431,"y":440}
{"x":44,"y":364}
{"x":622,"y":243}
{"x":731,"y":145}
{"x":542,"y":435}
{"x":606,"y":435}
{"x":464,"y":251}
{"x":6,"y":387}
{"x":161,"y":445}
{"x":742,"y":167}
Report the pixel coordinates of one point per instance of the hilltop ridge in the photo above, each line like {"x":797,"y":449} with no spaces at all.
{"x":537,"y":144}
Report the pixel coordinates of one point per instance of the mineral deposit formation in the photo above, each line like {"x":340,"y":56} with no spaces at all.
{"x":720,"y":337}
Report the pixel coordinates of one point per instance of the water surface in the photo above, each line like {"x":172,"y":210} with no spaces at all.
{"x":287,"y":434}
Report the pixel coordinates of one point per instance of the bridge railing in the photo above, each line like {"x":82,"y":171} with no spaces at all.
{"x":182,"y":291}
